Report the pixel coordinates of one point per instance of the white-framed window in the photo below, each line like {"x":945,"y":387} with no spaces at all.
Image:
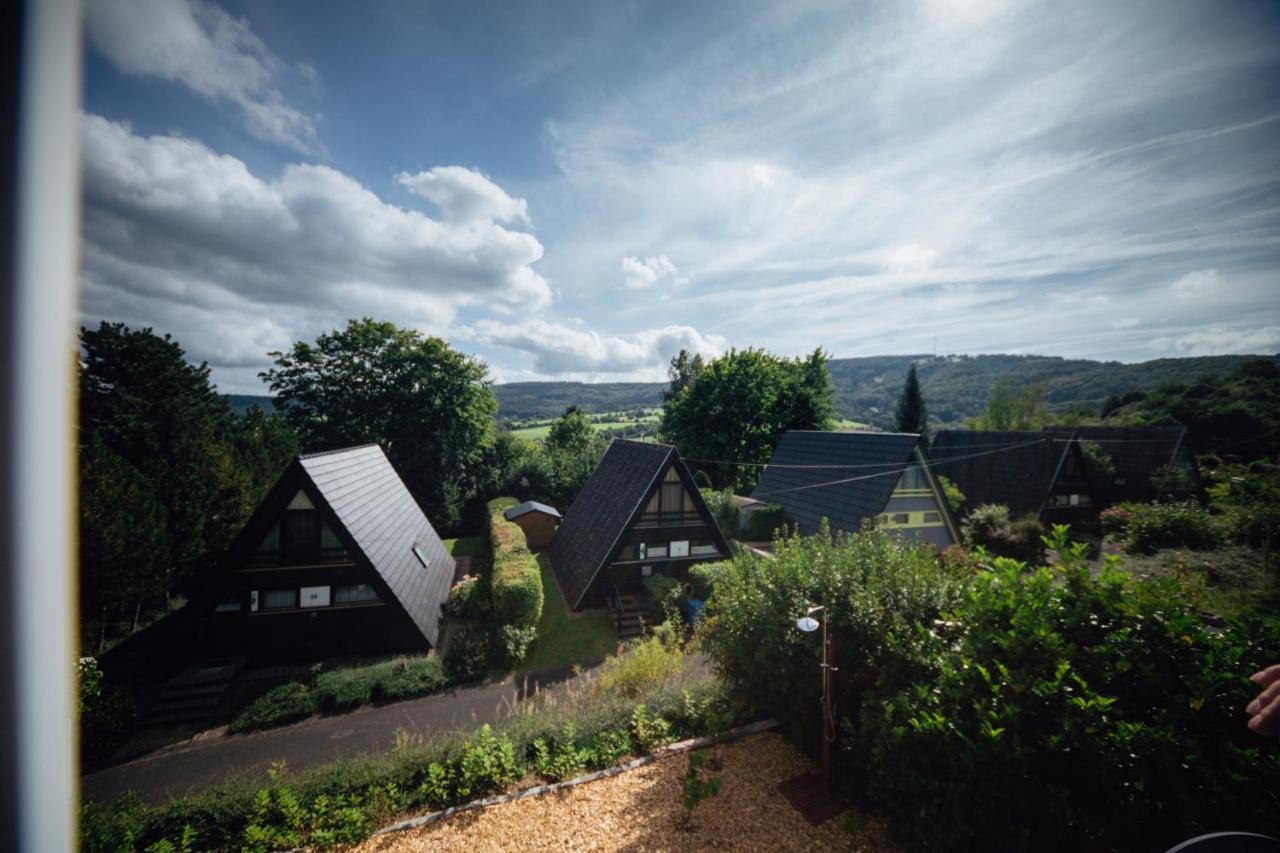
{"x":354,"y":592}
{"x":655,"y":551}
{"x":679,"y":548}
{"x":231,"y":605}
{"x":703,"y":547}
{"x":421,"y":555}
{"x":314,"y":596}
{"x":279,"y":599}
{"x":932,"y":517}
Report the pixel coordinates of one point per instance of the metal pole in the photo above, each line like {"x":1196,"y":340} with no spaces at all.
{"x":826,"y":705}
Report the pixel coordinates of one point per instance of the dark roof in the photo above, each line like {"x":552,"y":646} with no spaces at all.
{"x":854,"y":493}
{"x":528,"y":507}
{"x":375,"y":508}
{"x":1014,"y":468}
{"x":1137,"y":453}
{"x":600,"y":514}
{"x":610,"y":500}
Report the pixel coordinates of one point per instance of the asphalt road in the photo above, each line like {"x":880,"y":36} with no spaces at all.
{"x":181,"y":768}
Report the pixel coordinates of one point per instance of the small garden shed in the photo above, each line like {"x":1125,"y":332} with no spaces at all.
{"x":537,"y":520}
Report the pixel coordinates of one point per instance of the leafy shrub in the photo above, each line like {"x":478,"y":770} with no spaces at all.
{"x":762,"y":522}
{"x":516,"y":581}
{"x":608,"y":748}
{"x":958,"y":559}
{"x":990,"y":527}
{"x":664,"y":594}
{"x":562,"y":760}
{"x":649,"y":730}
{"x":466,"y":657}
{"x":647,"y":663}
{"x":514,"y":642}
{"x":345,"y":689}
{"x":983,"y":523}
{"x":409,"y":677}
{"x":1115,"y":520}
{"x":703,"y":576}
{"x":488,"y":764}
{"x":1172,"y":525}
{"x":469,"y":598}
{"x":723,"y":509}
{"x":279,"y":706}
{"x":955,"y":497}
{"x":879,"y":591}
{"x":1112,"y":695}
{"x":697,"y":789}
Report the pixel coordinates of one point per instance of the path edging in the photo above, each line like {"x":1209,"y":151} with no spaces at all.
{"x":666,"y":751}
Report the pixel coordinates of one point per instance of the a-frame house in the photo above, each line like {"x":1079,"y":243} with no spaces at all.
{"x":852,"y":477}
{"x":639,"y":513}
{"x":337,"y":559}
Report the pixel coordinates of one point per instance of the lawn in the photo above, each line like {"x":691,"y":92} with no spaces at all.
{"x":619,"y":421}
{"x":467,"y":546}
{"x":565,"y":638}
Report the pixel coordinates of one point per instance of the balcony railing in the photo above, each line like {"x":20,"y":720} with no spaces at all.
{"x":668,"y":519}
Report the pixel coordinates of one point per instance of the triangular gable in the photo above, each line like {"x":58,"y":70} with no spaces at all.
{"x":377,"y":521}
{"x":609,"y":504}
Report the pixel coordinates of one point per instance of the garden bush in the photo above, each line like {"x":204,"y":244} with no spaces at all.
{"x":761,"y":523}
{"x":983,"y":523}
{"x":990,"y":527}
{"x":469,"y":599}
{"x":723,"y":509}
{"x":1184,"y":524}
{"x":409,"y":677}
{"x":1073,"y":713}
{"x":702,"y":576}
{"x":647,"y":663}
{"x":665,"y":593}
{"x":1115,"y":520}
{"x":516,"y":584}
{"x":468,"y":652}
{"x":279,"y":706}
{"x":514,"y":642}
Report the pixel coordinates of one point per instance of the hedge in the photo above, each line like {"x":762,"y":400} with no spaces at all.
{"x":761,"y":522}
{"x":517,"y":581}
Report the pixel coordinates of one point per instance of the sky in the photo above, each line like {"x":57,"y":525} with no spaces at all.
{"x":580,"y":190}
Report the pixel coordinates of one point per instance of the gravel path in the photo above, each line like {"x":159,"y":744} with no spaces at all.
{"x":640,"y":810}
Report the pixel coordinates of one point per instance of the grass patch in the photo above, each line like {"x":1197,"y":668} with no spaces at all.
{"x":1229,"y":581}
{"x":563,"y":639}
{"x":279,"y":706}
{"x":467,"y":546}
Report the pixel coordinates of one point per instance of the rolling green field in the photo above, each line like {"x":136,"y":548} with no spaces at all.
{"x":537,"y":430}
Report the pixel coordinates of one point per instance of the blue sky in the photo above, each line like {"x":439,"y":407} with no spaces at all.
{"x":577,"y":191}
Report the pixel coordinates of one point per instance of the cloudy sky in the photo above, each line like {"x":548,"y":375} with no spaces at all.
{"x":580,"y":190}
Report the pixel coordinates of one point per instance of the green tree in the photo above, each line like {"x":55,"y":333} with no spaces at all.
{"x":739,"y":405}
{"x":1009,"y":409}
{"x":164,"y":480}
{"x":684,"y":368}
{"x":911,"y":415}
{"x":428,"y":405}
{"x":571,"y":432}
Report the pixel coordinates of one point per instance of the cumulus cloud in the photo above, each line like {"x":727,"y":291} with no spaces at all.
{"x":464,"y":195}
{"x":558,"y":349}
{"x":214,"y":54}
{"x":1196,"y":284}
{"x":1220,"y":340}
{"x":185,"y":238}
{"x":639,"y":273}
{"x":1125,"y":323}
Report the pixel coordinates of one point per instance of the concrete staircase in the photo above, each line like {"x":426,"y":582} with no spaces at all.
{"x":633,"y":617}
{"x":195,"y":696}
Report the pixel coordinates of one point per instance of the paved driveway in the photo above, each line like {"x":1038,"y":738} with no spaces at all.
{"x":195,"y":764}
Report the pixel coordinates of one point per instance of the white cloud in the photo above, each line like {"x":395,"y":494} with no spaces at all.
{"x":464,"y":195}
{"x":1220,"y":340}
{"x":909,"y":258}
{"x":200,"y":46}
{"x":1196,"y":284}
{"x":639,"y":273}
{"x":560,"y":349}
{"x":1125,"y":323}
{"x":180,"y":237}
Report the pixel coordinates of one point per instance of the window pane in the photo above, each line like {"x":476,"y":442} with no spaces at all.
{"x":271,"y":542}
{"x":901,"y":518}
{"x":932,"y":517}
{"x":354,"y":592}
{"x":656,"y":551}
{"x":302,"y":535}
{"x":652,"y":507}
{"x":279,"y":599}
{"x":330,"y":544}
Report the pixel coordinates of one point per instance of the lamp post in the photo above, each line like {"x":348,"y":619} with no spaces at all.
{"x":808,"y":624}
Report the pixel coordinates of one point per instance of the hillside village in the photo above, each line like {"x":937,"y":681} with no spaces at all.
{"x":545,"y":607}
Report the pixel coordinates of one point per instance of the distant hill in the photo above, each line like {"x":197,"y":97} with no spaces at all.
{"x":866,"y":389}
{"x":241,"y":403}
